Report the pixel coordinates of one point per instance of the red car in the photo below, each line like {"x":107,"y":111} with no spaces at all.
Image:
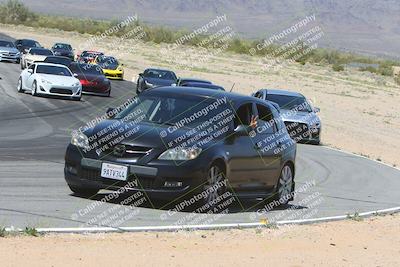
{"x":92,"y":78}
{"x":88,"y":56}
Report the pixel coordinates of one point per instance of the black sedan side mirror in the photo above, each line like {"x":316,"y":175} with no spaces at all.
{"x":111,"y":112}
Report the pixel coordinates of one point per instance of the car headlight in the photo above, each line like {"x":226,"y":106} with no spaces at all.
{"x":46,"y":82}
{"x":180,"y":154}
{"x":80,"y":140}
{"x":76,"y":84}
{"x":148,"y":84}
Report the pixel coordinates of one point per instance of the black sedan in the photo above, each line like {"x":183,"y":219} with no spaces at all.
{"x":23,"y":45}
{"x":183,"y":81}
{"x":64,"y":50}
{"x":92,"y":78}
{"x":199,"y":146}
{"x":66,"y":61}
{"x":153,"y":78}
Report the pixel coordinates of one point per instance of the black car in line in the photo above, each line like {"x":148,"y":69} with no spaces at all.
{"x":66,"y":61}
{"x":183,"y":81}
{"x":63,"y":50}
{"x":153,"y":78}
{"x":203,"y":85}
{"x":23,"y":45}
{"x":170,"y":142}
{"x":92,"y":78}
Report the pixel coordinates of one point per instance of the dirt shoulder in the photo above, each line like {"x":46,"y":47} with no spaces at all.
{"x":359,"y":110}
{"x":371,"y":242}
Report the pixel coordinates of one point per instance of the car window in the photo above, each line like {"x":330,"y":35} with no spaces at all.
{"x":6,"y":44}
{"x":159,"y":74}
{"x":53,"y":70}
{"x":259,"y":94}
{"x":243,"y":115}
{"x":266,"y":119}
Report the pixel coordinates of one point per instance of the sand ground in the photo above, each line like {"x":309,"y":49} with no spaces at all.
{"x":371,"y":242}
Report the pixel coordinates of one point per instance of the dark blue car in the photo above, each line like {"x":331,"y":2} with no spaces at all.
{"x":153,"y":78}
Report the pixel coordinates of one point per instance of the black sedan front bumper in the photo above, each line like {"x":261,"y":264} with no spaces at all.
{"x":156,"y":179}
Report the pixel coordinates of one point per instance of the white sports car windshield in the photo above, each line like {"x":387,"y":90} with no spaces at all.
{"x":53,"y":70}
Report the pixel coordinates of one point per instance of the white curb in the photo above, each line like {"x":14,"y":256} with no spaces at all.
{"x":200,"y":227}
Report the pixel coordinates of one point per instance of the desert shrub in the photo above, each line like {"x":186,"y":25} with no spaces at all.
{"x":337,"y":67}
{"x":13,"y":11}
{"x":397,"y":79}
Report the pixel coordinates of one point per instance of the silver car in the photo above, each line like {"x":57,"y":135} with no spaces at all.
{"x":8,"y":52}
{"x":299,"y":116}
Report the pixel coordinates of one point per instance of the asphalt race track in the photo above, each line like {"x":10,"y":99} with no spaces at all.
{"x":34,"y":132}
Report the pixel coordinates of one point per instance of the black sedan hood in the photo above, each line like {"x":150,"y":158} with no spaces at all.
{"x":140,"y":134}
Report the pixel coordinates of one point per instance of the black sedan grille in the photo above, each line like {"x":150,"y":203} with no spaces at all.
{"x":131,"y":151}
{"x":61,"y":91}
{"x":297,"y":131}
{"x":94,"y":175}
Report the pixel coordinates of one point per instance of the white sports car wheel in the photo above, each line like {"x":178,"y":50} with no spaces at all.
{"x":34,"y":88}
{"x":19,"y":87}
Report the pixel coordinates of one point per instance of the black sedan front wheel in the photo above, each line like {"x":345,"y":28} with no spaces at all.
{"x":215,"y":186}
{"x":285,"y":185}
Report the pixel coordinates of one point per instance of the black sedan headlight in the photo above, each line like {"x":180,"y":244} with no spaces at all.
{"x":180,"y":154}
{"x":80,"y":140}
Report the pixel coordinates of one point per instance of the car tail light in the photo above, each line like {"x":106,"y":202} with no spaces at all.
{"x":84,"y":82}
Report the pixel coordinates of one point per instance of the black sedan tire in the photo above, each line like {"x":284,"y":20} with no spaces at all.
{"x":216,"y":176}
{"x":285,"y":185}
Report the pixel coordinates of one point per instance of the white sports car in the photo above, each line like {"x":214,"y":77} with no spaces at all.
{"x":34,"y":54}
{"x":49,"y":79}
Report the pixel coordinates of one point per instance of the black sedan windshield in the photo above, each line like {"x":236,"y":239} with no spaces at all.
{"x":290,"y":102}
{"x":182,"y":111}
{"x":159,"y":74}
{"x":62,"y":47}
{"x":53,"y":70}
